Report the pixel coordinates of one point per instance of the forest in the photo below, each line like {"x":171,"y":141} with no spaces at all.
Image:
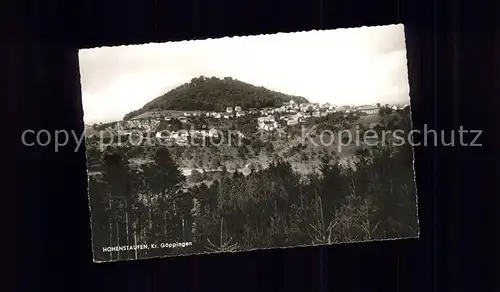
{"x":271,"y":207}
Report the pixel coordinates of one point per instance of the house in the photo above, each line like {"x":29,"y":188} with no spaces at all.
{"x":226,"y":116}
{"x":268,"y":126}
{"x":267,"y":110}
{"x":368,"y":109}
{"x":180,"y":136}
{"x":237,"y":108}
{"x":306,"y":106}
{"x":292,"y":122}
{"x":229,"y":110}
{"x":182,"y":119}
{"x":394,"y":107}
{"x":342,"y":108}
{"x":217,"y":115}
{"x":213,"y":133}
{"x":238,"y":134}
{"x":174,"y":135}
{"x":240,"y":114}
{"x":162,"y":135}
{"x":181,"y":141}
{"x":261,"y":120}
{"x":316,"y":114}
{"x":267,"y":123}
{"x":293,"y":105}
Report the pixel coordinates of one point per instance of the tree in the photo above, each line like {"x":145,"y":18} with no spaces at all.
{"x":269,"y":146}
{"x":334,"y":185}
{"x":322,"y":232}
{"x":196,"y":176}
{"x":215,"y":163}
{"x":169,"y":175}
{"x":167,"y":181}
{"x":164,"y":125}
{"x":93,"y":155}
{"x":175,"y":125}
{"x":100,"y":217}
{"x":225,"y":242}
{"x":120,"y":198}
{"x":384,"y":111}
{"x":242,"y":152}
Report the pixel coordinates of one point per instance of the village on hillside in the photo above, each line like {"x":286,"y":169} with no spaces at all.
{"x":267,"y":133}
{"x":268,"y":119}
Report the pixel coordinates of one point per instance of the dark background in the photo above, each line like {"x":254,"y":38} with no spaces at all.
{"x":453,"y":68}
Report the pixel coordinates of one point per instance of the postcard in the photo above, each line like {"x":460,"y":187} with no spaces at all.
{"x":245,"y":143}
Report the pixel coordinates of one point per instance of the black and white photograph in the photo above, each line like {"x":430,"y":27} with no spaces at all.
{"x":246,"y":143}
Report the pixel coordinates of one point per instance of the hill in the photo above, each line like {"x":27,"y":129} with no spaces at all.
{"x":215,"y":94}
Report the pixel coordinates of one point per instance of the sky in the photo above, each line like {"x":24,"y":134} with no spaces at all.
{"x":357,"y":66}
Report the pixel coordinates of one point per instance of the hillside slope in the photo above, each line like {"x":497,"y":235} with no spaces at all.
{"x":214,"y":94}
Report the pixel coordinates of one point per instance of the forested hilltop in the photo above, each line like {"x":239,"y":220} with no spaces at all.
{"x":215,"y":94}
